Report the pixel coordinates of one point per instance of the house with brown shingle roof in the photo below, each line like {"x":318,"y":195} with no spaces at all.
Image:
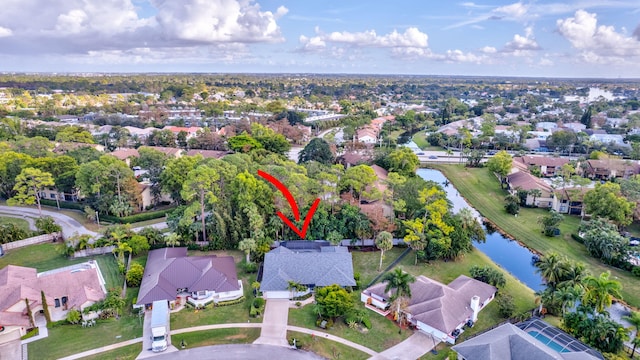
{"x":76,"y":286}
{"x":548,"y":166}
{"x":170,"y":272}
{"x":208,"y":154}
{"x":437,"y":309}
{"x":606,"y":169}
{"x":125,"y":154}
{"x":522,"y":180}
{"x":171,"y":152}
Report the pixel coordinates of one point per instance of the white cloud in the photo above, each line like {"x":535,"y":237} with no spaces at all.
{"x":514,"y":11}
{"x":314,"y":43}
{"x":489,"y":50}
{"x":81,"y":26}
{"x":459,"y":56}
{"x":522,"y":43}
{"x":598,"y":44}
{"x":5,"y":32}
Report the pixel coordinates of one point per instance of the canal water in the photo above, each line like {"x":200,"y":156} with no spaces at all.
{"x":507,"y":253}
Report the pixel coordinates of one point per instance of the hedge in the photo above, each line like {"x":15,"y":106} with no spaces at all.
{"x":63,"y":204}
{"x":149,"y":215}
{"x":577,"y":238}
{"x":231,"y":302}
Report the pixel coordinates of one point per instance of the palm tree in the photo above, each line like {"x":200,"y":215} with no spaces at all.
{"x":575,"y":274}
{"x":247,"y":245}
{"x":600,"y":291}
{"x":634,"y":320}
{"x":384,"y":242}
{"x":567,"y":296}
{"x":535,"y":193}
{"x":399,"y":281}
{"x":120,"y":249}
{"x":553,"y":268}
{"x":172,"y":239}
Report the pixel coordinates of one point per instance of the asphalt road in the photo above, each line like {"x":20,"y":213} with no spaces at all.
{"x":239,"y":352}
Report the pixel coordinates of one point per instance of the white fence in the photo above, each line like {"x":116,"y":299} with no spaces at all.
{"x":94,"y":251}
{"x":57,"y":236}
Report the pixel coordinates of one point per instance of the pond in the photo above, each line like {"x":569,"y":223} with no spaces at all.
{"x":507,"y":253}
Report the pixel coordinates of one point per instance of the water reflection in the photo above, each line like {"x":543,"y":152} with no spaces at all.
{"x":505,"y":252}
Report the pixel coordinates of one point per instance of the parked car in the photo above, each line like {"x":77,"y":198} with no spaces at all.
{"x":433,"y":157}
{"x":421,"y":153}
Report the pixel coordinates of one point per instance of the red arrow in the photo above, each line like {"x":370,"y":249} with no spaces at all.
{"x":294,"y":206}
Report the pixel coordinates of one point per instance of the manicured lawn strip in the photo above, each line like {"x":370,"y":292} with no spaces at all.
{"x":326,"y":348}
{"x":66,"y":340}
{"x":20,"y":223}
{"x":216,"y":337}
{"x":148,"y":222}
{"x":43,"y":257}
{"x":109,"y":268}
{"x":420,"y":140}
{"x":384,"y":332}
{"x":483,"y":192}
{"x":124,"y":353}
{"x":366,"y":263}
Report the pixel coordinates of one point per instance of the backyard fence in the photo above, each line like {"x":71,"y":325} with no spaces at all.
{"x":53,"y":237}
{"x":94,"y":251}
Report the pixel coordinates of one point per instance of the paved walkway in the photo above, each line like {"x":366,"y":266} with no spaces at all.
{"x":413,"y":347}
{"x":274,"y":323}
{"x":43,"y":332}
{"x":70,"y":226}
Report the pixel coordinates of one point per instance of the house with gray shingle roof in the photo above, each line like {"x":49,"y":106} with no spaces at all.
{"x":310,"y":266}
{"x":509,"y":342}
{"x":170,"y":272}
{"x":434,"y":308}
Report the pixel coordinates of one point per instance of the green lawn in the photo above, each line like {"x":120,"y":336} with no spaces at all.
{"x":43,"y":257}
{"x":109,"y":268}
{"x":21,"y":223}
{"x":124,"y":353}
{"x":420,"y":139}
{"x":326,"y":348}
{"x":216,"y":337}
{"x":66,"y":340}
{"x":483,"y":192}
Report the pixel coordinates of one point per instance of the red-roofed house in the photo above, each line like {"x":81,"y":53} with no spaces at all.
{"x":76,"y":286}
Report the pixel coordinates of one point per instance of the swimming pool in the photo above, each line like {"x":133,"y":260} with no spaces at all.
{"x":550,"y":343}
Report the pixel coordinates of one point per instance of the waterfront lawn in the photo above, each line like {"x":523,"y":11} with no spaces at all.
{"x":43,"y":257}
{"x":482,"y":190}
{"x":216,"y":337}
{"x":20,"y":223}
{"x":420,"y":139}
{"x":129,"y":352}
{"x":326,"y":348}
{"x":65,"y":340}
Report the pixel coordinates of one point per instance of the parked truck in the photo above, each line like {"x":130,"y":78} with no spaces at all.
{"x":159,"y":325}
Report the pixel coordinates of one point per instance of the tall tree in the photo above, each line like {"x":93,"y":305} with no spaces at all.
{"x":634,"y":320}
{"x":247,"y":246}
{"x":199,"y":188}
{"x":403,"y":161}
{"x":356,"y":180}
{"x":553,"y":268}
{"x":500,"y":164}
{"x":175,"y":174}
{"x":29,"y":185}
{"x":317,"y":150}
{"x":384,"y":242}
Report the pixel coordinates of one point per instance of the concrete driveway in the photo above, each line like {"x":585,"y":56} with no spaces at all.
{"x":274,"y":323}
{"x":146,"y":339}
{"x":414,"y":347}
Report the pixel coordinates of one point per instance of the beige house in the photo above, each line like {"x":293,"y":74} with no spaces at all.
{"x":524,"y":181}
{"x":609,"y":168}
{"x":73,"y":287}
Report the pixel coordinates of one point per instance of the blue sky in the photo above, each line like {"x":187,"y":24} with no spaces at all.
{"x":574,"y":38}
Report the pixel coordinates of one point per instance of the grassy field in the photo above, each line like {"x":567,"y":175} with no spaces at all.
{"x":21,"y":223}
{"x":71,"y":339}
{"x":124,"y":353}
{"x":109,"y":268}
{"x":483,"y":192}
{"x":216,"y":337}
{"x":420,"y":139}
{"x":326,"y":348}
{"x":43,"y":257}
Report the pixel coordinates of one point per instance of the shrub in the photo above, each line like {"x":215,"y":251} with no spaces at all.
{"x":230,"y":302}
{"x":258,"y":302}
{"x":249,"y":268}
{"x":506,"y":307}
{"x":366,"y":322}
{"x":134,"y":275}
{"x":145,"y":216}
{"x":73,"y":316}
{"x":636,"y":271}
{"x":46,"y":225}
{"x":488,"y":275}
{"x":63,"y":204}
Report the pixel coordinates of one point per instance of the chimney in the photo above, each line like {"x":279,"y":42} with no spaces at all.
{"x":475,"y":307}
